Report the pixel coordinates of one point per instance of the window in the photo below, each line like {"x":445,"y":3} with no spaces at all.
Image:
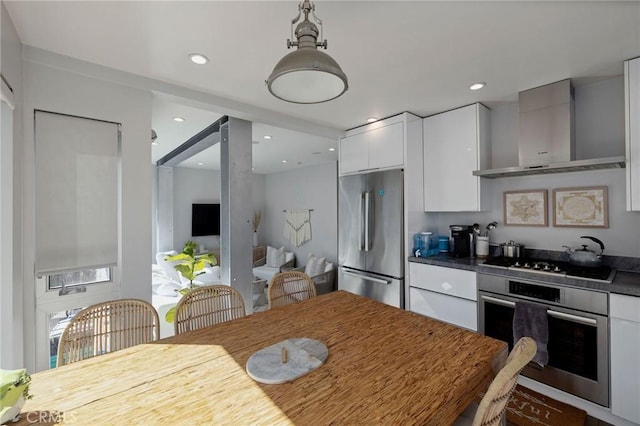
{"x":70,"y":279}
{"x":57,"y":323}
{"x":76,"y":183}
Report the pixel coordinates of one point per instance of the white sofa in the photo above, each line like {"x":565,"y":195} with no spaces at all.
{"x":166,"y":282}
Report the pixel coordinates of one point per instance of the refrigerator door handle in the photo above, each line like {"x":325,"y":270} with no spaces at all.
{"x":362,"y":220}
{"x":365,"y":277}
{"x":367,"y":221}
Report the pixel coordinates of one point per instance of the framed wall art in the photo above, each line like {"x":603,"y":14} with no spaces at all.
{"x":581,"y":207}
{"x":525,"y":208}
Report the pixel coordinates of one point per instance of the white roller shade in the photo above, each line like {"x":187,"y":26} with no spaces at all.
{"x":76,"y":193}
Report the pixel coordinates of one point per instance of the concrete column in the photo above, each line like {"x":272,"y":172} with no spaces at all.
{"x":236,"y":207}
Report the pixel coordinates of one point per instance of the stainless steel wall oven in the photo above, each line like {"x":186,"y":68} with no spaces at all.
{"x":578,"y":331}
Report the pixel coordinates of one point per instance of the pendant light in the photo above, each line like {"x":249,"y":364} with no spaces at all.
{"x":307,"y":75}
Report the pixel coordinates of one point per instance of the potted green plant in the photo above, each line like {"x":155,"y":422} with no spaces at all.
{"x":14,"y":390}
{"x":189,"y":265}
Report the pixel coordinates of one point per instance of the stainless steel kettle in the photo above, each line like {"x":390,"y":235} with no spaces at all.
{"x":584,"y":256}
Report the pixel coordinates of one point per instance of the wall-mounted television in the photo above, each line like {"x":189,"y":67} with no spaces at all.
{"x":205,"y":219}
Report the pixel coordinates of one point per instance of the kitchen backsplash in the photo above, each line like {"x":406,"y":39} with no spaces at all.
{"x":621,"y":238}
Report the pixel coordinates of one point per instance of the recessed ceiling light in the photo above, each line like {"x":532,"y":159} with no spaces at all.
{"x":332,"y":149}
{"x":199,"y":59}
{"x":267,"y":137}
{"x":284,"y":161}
{"x":200,"y":164}
{"x":154,"y":143}
{"x":371,"y":119}
{"x":477,"y":86}
{"x":178,"y":119}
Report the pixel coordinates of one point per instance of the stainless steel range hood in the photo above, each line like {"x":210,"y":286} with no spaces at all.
{"x":564,"y":167}
{"x":546,"y":141}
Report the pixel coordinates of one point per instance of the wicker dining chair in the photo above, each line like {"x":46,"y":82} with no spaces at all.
{"x":206,"y":306}
{"x":493,"y":406}
{"x":108,"y":327}
{"x":290,"y":287}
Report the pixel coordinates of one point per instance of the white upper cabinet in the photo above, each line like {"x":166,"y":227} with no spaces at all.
{"x":455,"y":144}
{"x":632,"y":132}
{"x":375,"y":146}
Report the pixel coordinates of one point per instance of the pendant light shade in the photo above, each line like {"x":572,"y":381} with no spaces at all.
{"x":307,"y":75}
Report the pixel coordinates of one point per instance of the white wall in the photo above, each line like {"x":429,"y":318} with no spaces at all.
{"x":62,"y":91}
{"x":599,"y":132}
{"x":622,"y":238}
{"x":307,"y":188}
{"x":11,"y":305}
{"x":203,"y":186}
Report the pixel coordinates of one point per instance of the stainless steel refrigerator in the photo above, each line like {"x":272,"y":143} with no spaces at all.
{"x":370,"y":236}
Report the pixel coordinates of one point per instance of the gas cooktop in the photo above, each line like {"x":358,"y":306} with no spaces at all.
{"x":553,"y":267}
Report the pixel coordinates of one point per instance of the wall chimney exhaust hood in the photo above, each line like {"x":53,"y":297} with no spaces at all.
{"x":564,"y":167}
{"x":546,"y":137}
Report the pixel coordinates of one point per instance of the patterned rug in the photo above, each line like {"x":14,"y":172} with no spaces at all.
{"x":529,"y":408}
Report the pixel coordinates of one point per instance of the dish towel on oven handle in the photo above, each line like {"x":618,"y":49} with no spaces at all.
{"x":297,"y":226}
{"x":530,"y":320}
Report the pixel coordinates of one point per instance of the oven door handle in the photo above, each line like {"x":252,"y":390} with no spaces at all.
{"x":569,"y":317}
{"x":551,"y":313}
{"x":499,"y":301}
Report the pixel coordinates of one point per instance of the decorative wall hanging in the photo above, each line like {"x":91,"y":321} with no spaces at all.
{"x":525,"y":208}
{"x":581,"y":207}
{"x":297,"y":226}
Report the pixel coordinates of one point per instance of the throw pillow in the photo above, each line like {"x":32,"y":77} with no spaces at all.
{"x":275,"y":257}
{"x":167,"y":266}
{"x":315,"y":265}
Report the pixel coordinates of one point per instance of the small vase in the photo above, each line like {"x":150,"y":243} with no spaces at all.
{"x":255,"y":239}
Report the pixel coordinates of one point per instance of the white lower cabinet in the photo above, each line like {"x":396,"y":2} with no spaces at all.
{"x":446,"y":294}
{"x":625,"y":356}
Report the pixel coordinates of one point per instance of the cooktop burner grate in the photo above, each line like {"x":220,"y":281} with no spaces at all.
{"x":553,"y":267}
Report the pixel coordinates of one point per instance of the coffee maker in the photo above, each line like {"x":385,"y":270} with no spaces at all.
{"x":461,"y":240}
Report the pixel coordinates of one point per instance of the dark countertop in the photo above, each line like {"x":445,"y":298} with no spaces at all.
{"x":625,"y":282}
{"x":467,"y":263}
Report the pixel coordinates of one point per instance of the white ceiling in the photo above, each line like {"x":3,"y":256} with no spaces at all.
{"x":399,"y":56}
{"x":298,"y":149}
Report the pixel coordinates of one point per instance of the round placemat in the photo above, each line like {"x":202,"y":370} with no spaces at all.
{"x":301,"y":355}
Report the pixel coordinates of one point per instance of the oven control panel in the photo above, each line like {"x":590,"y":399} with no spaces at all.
{"x":534,"y":291}
{"x":586,"y":300}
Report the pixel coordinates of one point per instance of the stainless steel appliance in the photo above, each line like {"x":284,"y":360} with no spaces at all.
{"x":546,"y":136}
{"x":578,"y":325}
{"x":370,"y":236}
{"x":554,"y":267}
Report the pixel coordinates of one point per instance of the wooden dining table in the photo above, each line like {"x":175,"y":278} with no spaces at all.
{"x":385,"y":366}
